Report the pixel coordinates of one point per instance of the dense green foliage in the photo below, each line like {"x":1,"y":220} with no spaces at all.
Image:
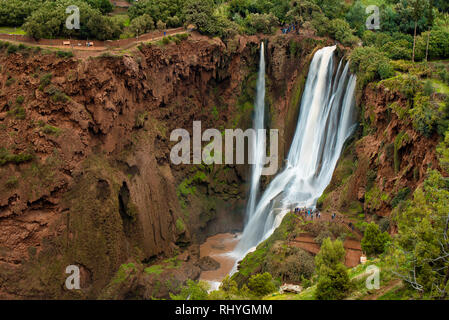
{"x":374,"y":241}
{"x":7,"y":157}
{"x":422,"y":245}
{"x":370,"y":64}
{"x":333,"y":279}
{"x":48,"y":21}
{"x":14,"y":12}
{"x":194,"y":290}
{"x":261,"y":284}
{"x":169,"y":11}
{"x":229,"y":290}
{"x":334,"y":285}
{"x":338,"y":19}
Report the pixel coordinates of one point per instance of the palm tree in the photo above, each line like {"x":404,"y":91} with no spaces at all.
{"x":430,"y":21}
{"x":417,"y":7}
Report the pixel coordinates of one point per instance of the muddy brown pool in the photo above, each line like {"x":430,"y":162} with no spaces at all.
{"x":218,"y":247}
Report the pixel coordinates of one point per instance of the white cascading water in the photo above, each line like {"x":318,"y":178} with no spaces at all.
{"x":325,"y":121}
{"x":258,"y":148}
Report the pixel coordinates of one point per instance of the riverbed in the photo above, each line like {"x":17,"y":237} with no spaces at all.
{"x":219,"y":248}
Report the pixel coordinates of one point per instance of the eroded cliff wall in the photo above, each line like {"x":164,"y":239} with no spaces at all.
{"x":86,"y":177}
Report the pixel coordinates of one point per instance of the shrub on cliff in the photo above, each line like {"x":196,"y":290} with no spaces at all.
{"x":168,"y":11}
{"x":261,"y":23}
{"x":370,"y":64}
{"x":261,"y":284}
{"x":194,"y":290}
{"x":443,"y":152}
{"x":338,"y":29}
{"x":374,"y":241}
{"x":229,"y":290}
{"x":6,"y":157}
{"x":438,"y":44}
{"x":424,"y":115}
{"x":201,"y":14}
{"x":331,"y":254}
{"x":289,"y":264}
{"x":400,"y":196}
{"x":341,"y":31}
{"x":297,"y":266}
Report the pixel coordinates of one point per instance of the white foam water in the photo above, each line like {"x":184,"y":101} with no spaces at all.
{"x":325,"y":122}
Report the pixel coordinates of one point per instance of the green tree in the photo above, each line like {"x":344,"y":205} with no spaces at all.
{"x":442,"y":5}
{"x":48,"y":21}
{"x":374,"y":241}
{"x":331,"y":254}
{"x":229,"y":290}
{"x":418,"y":7}
{"x":201,"y":14}
{"x":430,"y":19}
{"x":158,"y":9}
{"x":370,"y":64}
{"x":142,"y":24}
{"x":421,"y":248}
{"x":302,"y":11}
{"x":443,"y":151}
{"x":194,"y":290}
{"x":356,"y":17}
{"x":332,"y":8}
{"x":105,"y":6}
{"x":334,"y":285}
{"x":263,"y":23}
{"x":261,"y":284}
{"x":14,"y":12}
{"x":341,"y":31}
{"x":333,"y":279}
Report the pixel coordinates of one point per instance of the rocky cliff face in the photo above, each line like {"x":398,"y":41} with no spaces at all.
{"x":383,"y":163}
{"x":85,"y":173}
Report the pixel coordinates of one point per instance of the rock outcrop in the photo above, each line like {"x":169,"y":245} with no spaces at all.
{"x":85,"y":174}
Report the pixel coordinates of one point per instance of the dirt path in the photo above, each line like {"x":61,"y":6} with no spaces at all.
{"x":383,"y":290}
{"x":352,"y":247}
{"x":341,"y":219}
{"x":79,"y":48}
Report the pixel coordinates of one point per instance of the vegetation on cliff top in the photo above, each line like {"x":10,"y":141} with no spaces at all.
{"x":339,"y":19}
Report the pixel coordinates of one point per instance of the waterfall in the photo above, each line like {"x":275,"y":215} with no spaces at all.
{"x":325,"y":121}
{"x":258,"y":148}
